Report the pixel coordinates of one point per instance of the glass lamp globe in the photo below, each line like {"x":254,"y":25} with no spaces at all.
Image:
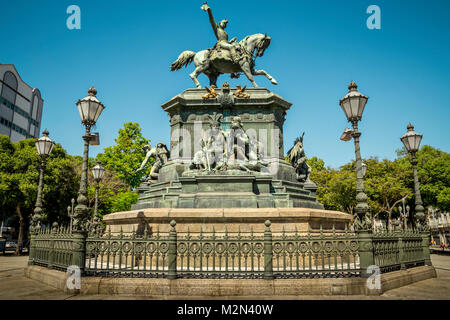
{"x":353,"y":103}
{"x":44,"y":144}
{"x":98,"y":171}
{"x":90,"y":108}
{"x":411,"y":139}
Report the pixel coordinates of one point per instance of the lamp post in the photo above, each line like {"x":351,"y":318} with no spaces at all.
{"x":70,"y":214}
{"x":44,"y":146}
{"x":411,"y":140}
{"x":404,"y":213}
{"x":98,"y":171}
{"x":90,"y":109}
{"x":353,"y":106}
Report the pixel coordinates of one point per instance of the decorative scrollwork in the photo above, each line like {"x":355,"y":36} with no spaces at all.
{"x":220,"y":248}
{"x":182,"y":247}
{"x":207,"y":248}
{"x":277,"y":247}
{"x":232,"y":248}
{"x":259,"y":248}
{"x":354,"y":246}
{"x":151,"y":247}
{"x":341,"y":246}
{"x":126,"y":247}
{"x":194,"y":248}
{"x":303,"y":247}
{"x":163,"y":247}
{"x":115,"y":246}
{"x":139,"y":247}
{"x":328,"y":246}
{"x":315,"y":246}
{"x":290,"y":247}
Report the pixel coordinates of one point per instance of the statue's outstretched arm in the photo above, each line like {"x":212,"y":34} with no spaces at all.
{"x":149,"y":154}
{"x":211,"y":19}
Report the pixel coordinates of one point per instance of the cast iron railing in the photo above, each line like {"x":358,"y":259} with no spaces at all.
{"x":399,"y":249}
{"x":52,"y":248}
{"x":229,"y":254}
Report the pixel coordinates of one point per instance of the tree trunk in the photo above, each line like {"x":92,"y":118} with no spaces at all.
{"x":21,"y":230}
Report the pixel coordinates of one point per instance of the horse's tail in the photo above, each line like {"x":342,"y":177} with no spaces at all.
{"x":185,"y":58}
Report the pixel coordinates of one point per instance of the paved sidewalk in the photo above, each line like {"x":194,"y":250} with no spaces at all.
{"x":15,"y":286}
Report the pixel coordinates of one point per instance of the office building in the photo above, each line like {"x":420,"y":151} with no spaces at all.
{"x":20,"y":106}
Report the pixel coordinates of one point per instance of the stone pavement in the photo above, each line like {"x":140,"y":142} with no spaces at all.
{"x":15,"y":286}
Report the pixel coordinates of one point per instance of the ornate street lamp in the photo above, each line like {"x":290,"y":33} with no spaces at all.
{"x":70,"y":214}
{"x":364,"y":169}
{"x":98,"y":171}
{"x":353,"y":106}
{"x":404,"y":213}
{"x":44,"y":146}
{"x":411,"y":140}
{"x":90,"y":109}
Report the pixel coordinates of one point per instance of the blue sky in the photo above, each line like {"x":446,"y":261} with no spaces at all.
{"x":125,"y":48}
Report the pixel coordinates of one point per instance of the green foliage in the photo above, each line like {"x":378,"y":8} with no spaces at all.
{"x":386,"y":182}
{"x":114,"y":194}
{"x":336,"y":188}
{"x":126,"y":156}
{"x":123,"y":201}
{"x":434,"y":176}
{"x":19,"y":177}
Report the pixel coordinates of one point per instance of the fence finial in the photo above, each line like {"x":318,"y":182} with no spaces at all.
{"x":146,"y":231}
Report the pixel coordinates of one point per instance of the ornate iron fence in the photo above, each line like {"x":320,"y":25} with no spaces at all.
{"x":311,"y":256}
{"x":52,"y":248}
{"x":399,"y":250}
{"x":127,"y":255}
{"x":229,"y":254}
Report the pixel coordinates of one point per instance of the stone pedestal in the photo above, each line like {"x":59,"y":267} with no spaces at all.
{"x":232,"y":199}
{"x":234,"y":220}
{"x":262,"y":116}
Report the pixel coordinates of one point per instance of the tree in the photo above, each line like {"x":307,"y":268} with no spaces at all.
{"x":434,"y":176}
{"x":336,"y":188}
{"x":341,"y":190}
{"x":386,"y":185}
{"x":114,"y":194}
{"x":19,"y":173}
{"x":124,"y":158}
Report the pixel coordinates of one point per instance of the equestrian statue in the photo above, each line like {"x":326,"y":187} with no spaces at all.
{"x":226,"y":56}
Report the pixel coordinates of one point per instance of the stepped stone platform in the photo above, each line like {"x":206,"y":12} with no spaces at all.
{"x":234,"y":219}
{"x":226,"y":191}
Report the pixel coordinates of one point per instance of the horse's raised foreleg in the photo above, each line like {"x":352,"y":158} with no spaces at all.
{"x":248,"y":72}
{"x":264,"y":73}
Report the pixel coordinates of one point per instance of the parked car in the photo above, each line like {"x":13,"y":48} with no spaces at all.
{"x":11,"y":245}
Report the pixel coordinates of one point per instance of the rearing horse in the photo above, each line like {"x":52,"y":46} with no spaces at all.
{"x":209,"y":63}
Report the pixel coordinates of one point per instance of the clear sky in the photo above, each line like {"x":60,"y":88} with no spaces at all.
{"x":125,"y":48}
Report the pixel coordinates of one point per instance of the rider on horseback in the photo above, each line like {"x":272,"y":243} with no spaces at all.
{"x":222,"y":35}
